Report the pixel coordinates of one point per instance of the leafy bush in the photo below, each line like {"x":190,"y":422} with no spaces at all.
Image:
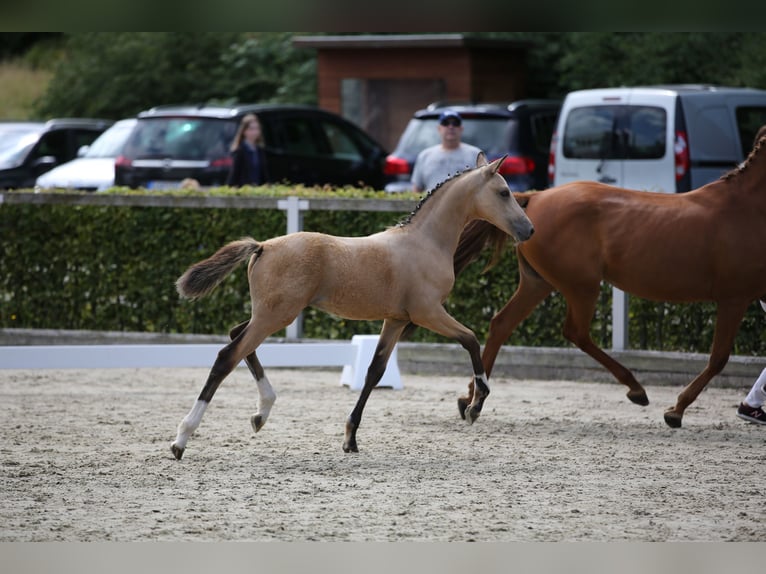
{"x":69,"y":266}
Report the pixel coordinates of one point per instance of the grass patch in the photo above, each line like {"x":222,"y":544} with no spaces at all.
{"x":20,"y":88}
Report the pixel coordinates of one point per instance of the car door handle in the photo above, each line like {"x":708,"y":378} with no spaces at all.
{"x":607,"y":179}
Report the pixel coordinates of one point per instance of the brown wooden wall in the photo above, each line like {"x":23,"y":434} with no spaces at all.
{"x":439,"y":68}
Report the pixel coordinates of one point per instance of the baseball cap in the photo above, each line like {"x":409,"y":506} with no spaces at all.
{"x":450,"y":114}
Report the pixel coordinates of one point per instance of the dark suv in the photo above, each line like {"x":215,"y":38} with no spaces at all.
{"x":29,"y":149}
{"x":303,"y":144}
{"x":521,"y":129}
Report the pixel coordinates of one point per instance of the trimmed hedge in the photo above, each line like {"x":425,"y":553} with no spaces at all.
{"x":68,"y":266}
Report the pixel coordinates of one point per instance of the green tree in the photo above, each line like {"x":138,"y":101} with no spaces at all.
{"x":265,"y":67}
{"x":116,"y":75}
{"x":603,"y":59}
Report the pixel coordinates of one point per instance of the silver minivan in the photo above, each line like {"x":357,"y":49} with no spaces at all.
{"x":656,"y":138}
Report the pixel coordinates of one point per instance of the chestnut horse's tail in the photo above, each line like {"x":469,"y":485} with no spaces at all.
{"x":479,"y":235}
{"x":201,"y":278}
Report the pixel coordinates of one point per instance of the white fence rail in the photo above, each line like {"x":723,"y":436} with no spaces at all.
{"x":354,"y":356}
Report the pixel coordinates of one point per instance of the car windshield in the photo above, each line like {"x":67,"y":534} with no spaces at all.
{"x":491,"y":135}
{"x":180,"y":138}
{"x":110,"y":143}
{"x":15,"y":143}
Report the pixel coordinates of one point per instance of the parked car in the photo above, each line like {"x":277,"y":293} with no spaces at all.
{"x":668,"y":139}
{"x":29,"y":149}
{"x":303,"y":144}
{"x":520,"y":129}
{"x":93,"y":169}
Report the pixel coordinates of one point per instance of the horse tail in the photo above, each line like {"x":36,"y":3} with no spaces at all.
{"x":201,"y":278}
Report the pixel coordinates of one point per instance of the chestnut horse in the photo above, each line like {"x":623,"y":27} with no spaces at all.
{"x":400,"y":275}
{"x":704,"y":245}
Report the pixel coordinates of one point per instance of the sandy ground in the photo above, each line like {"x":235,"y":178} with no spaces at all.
{"x":85,"y":456}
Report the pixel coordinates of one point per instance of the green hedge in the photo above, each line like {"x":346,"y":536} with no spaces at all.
{"x":114,"y":268}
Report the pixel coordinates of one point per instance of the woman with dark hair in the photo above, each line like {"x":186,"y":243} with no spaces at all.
{"x":248,"y":158}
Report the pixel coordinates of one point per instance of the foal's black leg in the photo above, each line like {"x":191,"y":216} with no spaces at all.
{"x":439,"y":321}
{"x":228,"y":358}
{"x":480,"y":387}
{"x":389,"y":335}
{"x":265,"y":391}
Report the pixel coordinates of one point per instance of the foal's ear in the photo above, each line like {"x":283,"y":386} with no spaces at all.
{"x":495,"y":165}
{"x":481,"y":159}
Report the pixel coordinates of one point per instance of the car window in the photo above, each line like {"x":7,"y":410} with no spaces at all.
{"x":491,"y":135}
{"x":180,"y":138}
{"x":341,"y":144}
{"x":111,"y":142}
{"x":419,"y":134}
{"x":15,"y":143}
{"x":79,"y":139}
{"x":52,"y":144}
{"x":615,"y":132}
{"x":749,"y":121}
{"x":299,"y":137}
{"x":644,"y":132}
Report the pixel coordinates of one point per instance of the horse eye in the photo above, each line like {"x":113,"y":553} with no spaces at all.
{"x":505,"y":193}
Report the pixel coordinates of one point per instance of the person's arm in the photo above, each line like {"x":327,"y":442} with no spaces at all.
{"x":418,"y":177}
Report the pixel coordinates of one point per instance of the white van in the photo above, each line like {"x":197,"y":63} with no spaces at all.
{"x":656,"y":138}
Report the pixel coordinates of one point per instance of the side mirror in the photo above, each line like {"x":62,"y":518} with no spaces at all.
{"x":44,"y":163}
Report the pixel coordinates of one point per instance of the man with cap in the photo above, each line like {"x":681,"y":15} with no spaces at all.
{"x":437,"y":163}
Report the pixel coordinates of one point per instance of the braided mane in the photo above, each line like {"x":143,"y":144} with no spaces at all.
{"x":430,"y":193}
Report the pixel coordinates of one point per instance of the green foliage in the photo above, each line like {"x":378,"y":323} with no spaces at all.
{"x":604,"y":59}
{"x":118,"y":74}
{"x":114,"y":268}
{"x":264,"y":67}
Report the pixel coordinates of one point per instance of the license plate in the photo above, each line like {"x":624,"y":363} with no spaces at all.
{"x":163,"y":184}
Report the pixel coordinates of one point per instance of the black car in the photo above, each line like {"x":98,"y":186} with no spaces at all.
{"x":303,"y":144}
{"x":28,"y":149}
{"x":521,"y":129}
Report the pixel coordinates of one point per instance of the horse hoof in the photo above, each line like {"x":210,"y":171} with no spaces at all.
{"x":177,"y":452}
{"x":350,"y":447}
{"x":471,"y":414}
{"x":257,"y":422}
{"x":638,"y":397}
{"x":673,"y":419}
{"x":462,"y":405}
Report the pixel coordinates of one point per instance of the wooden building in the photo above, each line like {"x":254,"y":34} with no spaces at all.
{"x":378,"y":81}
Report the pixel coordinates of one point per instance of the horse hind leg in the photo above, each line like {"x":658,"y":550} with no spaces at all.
{"x":577,"y":330}
{"x":228,"y":358}
{"x":728,"y":319}
{"x":266,"y":394}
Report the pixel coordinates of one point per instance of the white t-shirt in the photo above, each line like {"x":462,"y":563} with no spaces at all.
{"x":435,"y":164}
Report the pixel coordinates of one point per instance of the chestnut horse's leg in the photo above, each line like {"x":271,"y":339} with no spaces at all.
{"x":389,"y":335}
{"x":581,"y":306}
{"x":728,"y":318}
{"x":529,"y":294}
{"x":266,"y":394}
{"x":228,"y":358}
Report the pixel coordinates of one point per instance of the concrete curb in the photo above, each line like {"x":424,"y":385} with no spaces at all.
{"x":542,"y":363}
